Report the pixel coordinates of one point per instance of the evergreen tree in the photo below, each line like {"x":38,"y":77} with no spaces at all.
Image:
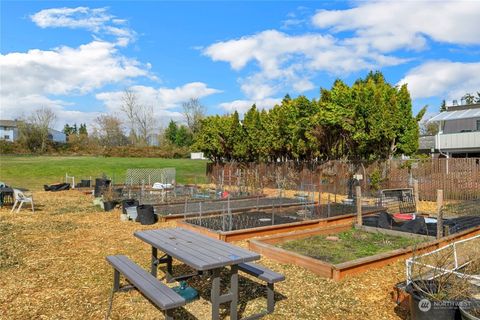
{"x":83,"y":130}
{"x":183,"y":137}
{"x":171,"y":132}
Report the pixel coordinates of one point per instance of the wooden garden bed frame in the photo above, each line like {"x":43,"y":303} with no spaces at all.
{"x":266,"y":247}
{"x":243,"y":234}
{"x":181,"y":216}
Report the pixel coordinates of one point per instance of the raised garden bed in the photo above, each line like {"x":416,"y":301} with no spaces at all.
{"x":249,"y":224}
{"x":181,"y":210}
{"x":351,"y":244}
{"x":269,"y":247}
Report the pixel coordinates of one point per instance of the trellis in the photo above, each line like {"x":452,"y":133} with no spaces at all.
{"x":142,"y":176}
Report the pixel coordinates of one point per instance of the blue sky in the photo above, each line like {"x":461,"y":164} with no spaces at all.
{"x":78,"y":57}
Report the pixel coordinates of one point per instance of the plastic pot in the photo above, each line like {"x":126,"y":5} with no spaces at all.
{"x":100,"y":186}
{"x":145,"y":214}
{"x":466,"y":315}
{"x":128,"y":203}
{"x":109,"y":205}
{"x":422,"y":308}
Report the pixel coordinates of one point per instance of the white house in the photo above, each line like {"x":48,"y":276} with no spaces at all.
{"x":458,"y":131}
{"x":9,"y":132}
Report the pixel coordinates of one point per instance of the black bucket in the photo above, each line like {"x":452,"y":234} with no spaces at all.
{"x":85,"y":183}
{"x":128,"y":203}
{"x":100,"y":186}
{"x":422,"y":308}
{"x":109,"y":205}
{"x":145,"y":214}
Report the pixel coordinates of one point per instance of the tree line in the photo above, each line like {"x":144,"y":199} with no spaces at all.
{"x":367,"y":121}
{"x":132,"y":129}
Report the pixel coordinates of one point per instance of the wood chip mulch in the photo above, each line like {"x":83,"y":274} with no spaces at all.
{"x":52,"y":266}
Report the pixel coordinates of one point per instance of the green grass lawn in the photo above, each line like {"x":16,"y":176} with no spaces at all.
{"x":352,"y":244}
{"x":33,"y":172}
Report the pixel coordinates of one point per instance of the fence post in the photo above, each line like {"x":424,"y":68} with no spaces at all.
{"x":439,"y":213}
{"x":358,"y":192}
{"x":416,"y":194}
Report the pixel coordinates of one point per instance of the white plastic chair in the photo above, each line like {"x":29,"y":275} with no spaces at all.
{"x":20,"y":198}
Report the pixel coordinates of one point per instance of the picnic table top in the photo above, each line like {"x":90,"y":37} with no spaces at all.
{"x":196,"y":250}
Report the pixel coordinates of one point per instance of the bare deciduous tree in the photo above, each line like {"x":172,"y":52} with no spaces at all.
{"x":34,"y":130}
{"x":193,"y":112}
{"x":108,"y":129}
{"x":140,"y":117}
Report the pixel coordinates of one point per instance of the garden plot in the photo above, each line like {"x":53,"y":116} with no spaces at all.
{"x":336,"y":251}
{"x":249,"y":223}
{"x":347,"y":245}
{"x":209,"y":207}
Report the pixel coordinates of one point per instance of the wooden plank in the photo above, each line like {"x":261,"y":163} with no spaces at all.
{"x":160,"y":294}
{"x":194,"y":248}
{"x":218,"y":246}
{"x":192,"y":260}
{"x":261,"y":272}
{"x":318,"y":267}
{"x":339,"y":271}
{"x":198,"y":251}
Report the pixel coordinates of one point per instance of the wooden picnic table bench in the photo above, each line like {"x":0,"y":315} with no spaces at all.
{"x":161,"y":296}
{"x":201,"y":253}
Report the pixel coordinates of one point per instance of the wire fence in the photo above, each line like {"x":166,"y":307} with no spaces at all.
{"x":460,"y":258}
{"x":459,"y":178}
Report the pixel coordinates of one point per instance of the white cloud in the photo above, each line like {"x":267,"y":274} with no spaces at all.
{"x":164,"y":100}
{"x":447,"y":79}
{"x":361,"y":38}
{"x":290,"y":61}
{"x":39,"y":77}
{"x":66,"y":70}
{"x":391,"y":25}
{"x":96,"y":20}
{"x":242,"y":106}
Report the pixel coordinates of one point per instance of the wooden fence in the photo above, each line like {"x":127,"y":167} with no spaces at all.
{"x":459,"y":178}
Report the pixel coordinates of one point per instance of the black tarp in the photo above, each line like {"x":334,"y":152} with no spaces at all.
{"x":419,"y":226}
{"x":57,"y":187}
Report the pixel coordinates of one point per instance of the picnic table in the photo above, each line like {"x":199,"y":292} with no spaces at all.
{"x":202,"y":254}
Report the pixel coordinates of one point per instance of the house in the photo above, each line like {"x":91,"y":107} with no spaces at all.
{"x":458,"y":131}
{"x":9,"y":132}
{"x":57,"y":136}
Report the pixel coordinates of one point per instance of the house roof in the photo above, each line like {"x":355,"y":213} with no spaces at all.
{"x":8,"y":123}
{"x":456,"y":115}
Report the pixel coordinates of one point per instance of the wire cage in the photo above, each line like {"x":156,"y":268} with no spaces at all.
{"x":460,"y":258}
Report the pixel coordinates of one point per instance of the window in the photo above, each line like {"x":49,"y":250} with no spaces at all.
{"x":6,"y":137}
{"x":478,"y":125}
